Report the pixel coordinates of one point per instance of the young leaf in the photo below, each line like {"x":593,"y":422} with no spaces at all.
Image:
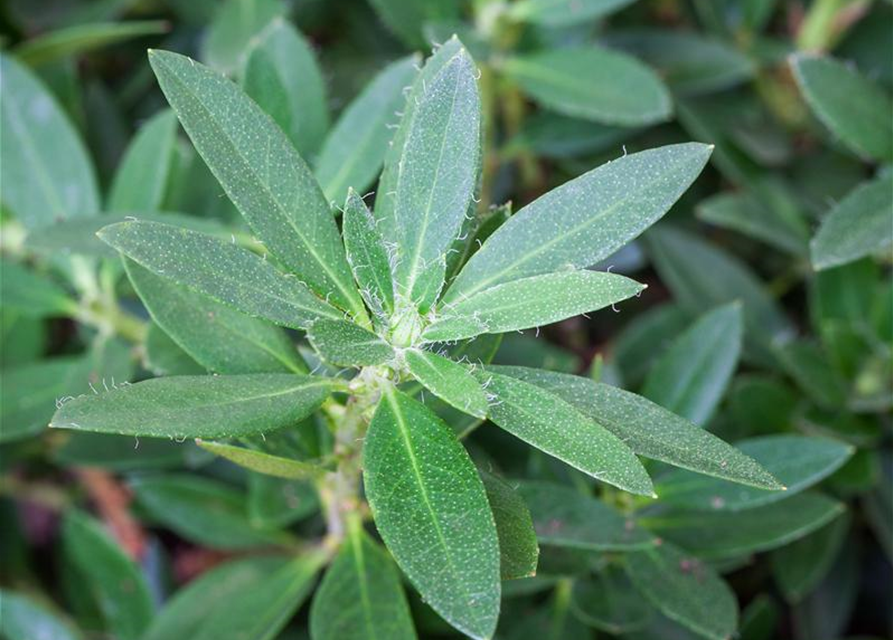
{"x":197,"y":406}
{"x":345,"y":343}
{"x":648,"y":429}
{"x":354,"y":150}
{"x":797,"y":461}
{"x":223,"y":271}
{"x":367,"y":256}
{"x":609,"y":602}
{"x":264,"y":463}
{"x":203,"y":511}
{"x":431,"y":509}
{"x":518,"y":549}
{"x":261,"y":173}
{"x":116,"y":581}
{"x":23,"y":618}
{"x":593,"y":83}
{"x":858,"y":226}
{"x":31,"y":294}
{"x":360,"y":596}
{"x":219,"y":338}
{"x":233,"y":27}
{"x":530,"y":302}
{"x":563,"y":13}
{"x":564,"y":517}
{"x":846,"y":102}
{"x":47,"y":173}
{"x":142,"y":176}
{"x":282,"y":76}
{"x":545,"y":421}
{"x":686,"y":590}
{"x":584,"y":220}
{"x":448,"y":380}
{"x":691,"y":377}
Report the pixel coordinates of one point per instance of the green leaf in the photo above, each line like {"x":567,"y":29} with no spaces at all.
{"x":197,"y":406}
{"x":649,"y":429}
{"x":367,"y":256}
{"x":545,"y":421}
{"x":645,"y":339}
{"x":83,"y":38}
{"x":203,"y":511}
{"x":553,"y":136}
{"x":360,"y":596}
{"x":264,"y":462}
{"x":345,"y":343}
{"x":114,"y":580}
{"x":277,"y":502}
{"x":33,"y":295}
{"x":686,"y":590}
{"x":431,"y":509}
{"x":810,"y":368}
{"x":223,"y":271}
{"x":141,"y":180}
{"x":405,"y":18}
{"x":691,"y":378}
{"x":23,"y":618}
{"x":282,"y":76}
{"x":592,"y":83}
{"x":752,"y":531}
{"x":47,"y":173}
{"x":448,"y":380}
{"x":851,"y":106}
{"x":609,"y":602}
{"x":563,"y":13}
{"x":564,"y":517}
{"x":164,"y":357}
{"x":797,"y":461}
{"x":261,"y":173}
{"x":799,"y":567}
{"x":518,"y":549}
{"x":354,"y":150}
{"x":219,"y":338}
{"x":436,"y":176}
{"x":125,"y":453}
{"x":235,"y":24}
{"x":251,"y":599}
{"x":584,"y":220}
{"x":857,"y":226}
{"x":530,"y":302}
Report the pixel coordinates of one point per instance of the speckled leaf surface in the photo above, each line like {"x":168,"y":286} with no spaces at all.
{"x":197,"y":406}
{"x":518,"y":548}
{"x":649,"y":429}
{"x":530,"y":302}
{"x":221,"y":270}
{"x":345,"y":343}
{"x":545,"y":421}
{"x":142,"y":177}
{"x":262,"y":174}
{"x":431,"y":509}
{"x":448,"y":380}
{"x":265,"y":463}
{"x":367,"y":256}
{"x":584,"y":220}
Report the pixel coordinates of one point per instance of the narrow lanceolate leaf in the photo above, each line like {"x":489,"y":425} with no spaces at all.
{"x":31,"y":294}
{"x":530,"y":302}
{"x":261,"y":173}
{"x":367,"y":256}
{"x":82,"y":38}
{"x":691,"y":377}
{"x":115,"y":580}
{"x":797,"y":461}
{"x":584,"y":220}
{"x":219,"y":338}
{"x":449,"y":381}
{"x":360,"y":597}
{"x":859,"y":225}
{"x":799,"y":567}
{"x":518,"y":549}
{"x":264,"y":463}
{"x":593,"y":83}
{"x":563,"y":13}
{"x":851,"y":106}
{"x":197,"y":406}
{"x":564,"y":517}
{"x":142,"y":177}
{"x":47,"y":174}
{"x":223,"y":271}
{"x":648,"y":429}
{"x":608,"y":601}
{"x":735,"y":534}
{"x":24,"y":618}
{"x":746,"y":214}
{"x":235,"y":23}
{"x":283,"y":77}
{"x":354,"y":150}
{"x":686,"y":590}
{"x":436,"y":177}
{"x":343,"y":342}
{"x":431,"y":509}
{"x":547,"y":422}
